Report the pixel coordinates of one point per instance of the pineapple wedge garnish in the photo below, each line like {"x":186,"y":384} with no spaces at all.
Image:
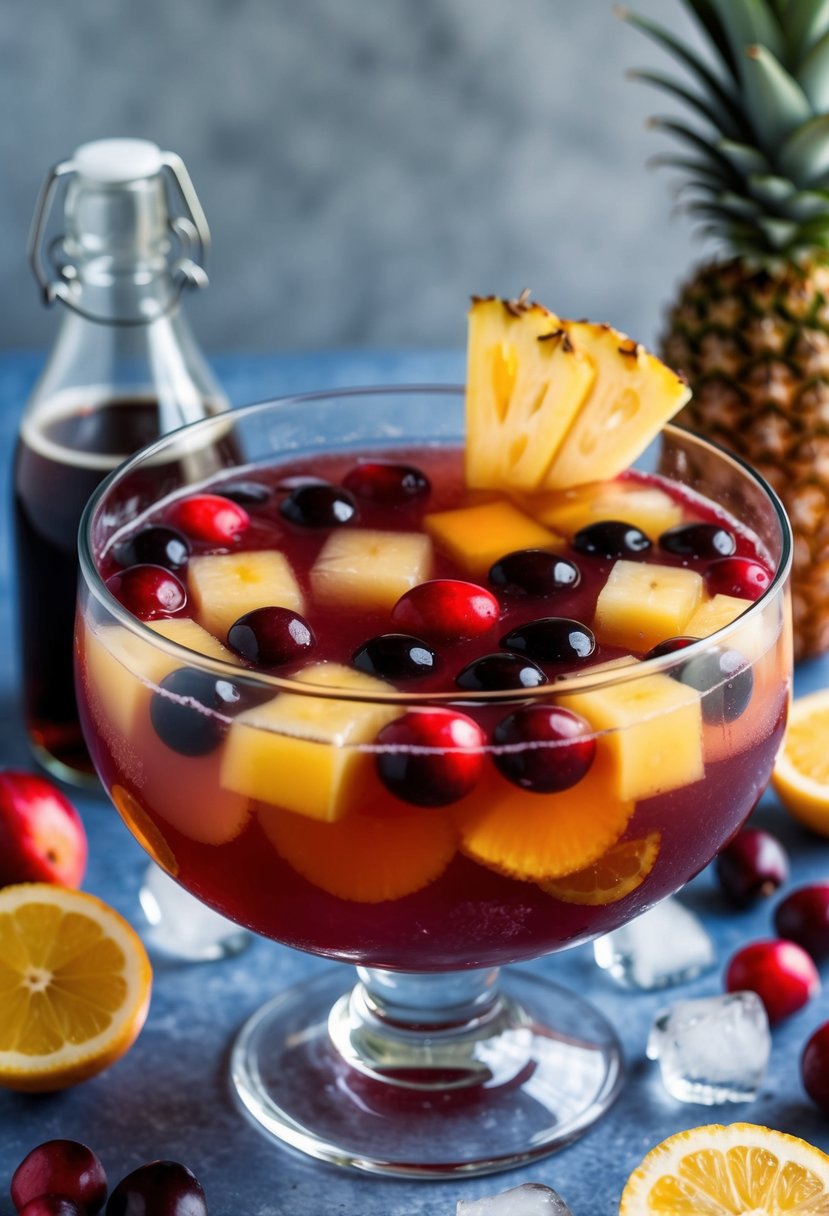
{"x":554,"y":403}
{"x":525,"y":384}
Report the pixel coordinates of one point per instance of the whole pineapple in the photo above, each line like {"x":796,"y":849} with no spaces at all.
{"x":750,"y":330}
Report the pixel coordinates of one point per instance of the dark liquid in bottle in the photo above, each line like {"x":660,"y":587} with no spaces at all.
{"x":57,"y":467}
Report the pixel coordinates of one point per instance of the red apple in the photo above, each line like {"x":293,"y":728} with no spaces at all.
{"x":42,"y":838}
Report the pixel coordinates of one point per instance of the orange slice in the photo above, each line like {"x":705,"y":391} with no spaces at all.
{"x":74,"y":986}
{"x":728,"y":1171}
{"x":365,"y":858}
{"x":536,"y":837}
{"x":622,"y":869}
{"x":144,"y":829}
{"x":801,"y":774}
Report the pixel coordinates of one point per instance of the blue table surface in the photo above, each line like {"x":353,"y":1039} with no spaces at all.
{"x":170,"y":1097}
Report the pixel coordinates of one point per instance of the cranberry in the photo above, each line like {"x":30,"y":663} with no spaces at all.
{"x":552,"y":639}
{"x":610,"y":538}
{"x":669,"y":646}
{"x":724,"y":678}
{"x":319,"y":505}
{"x":534,"y":572}
{"x":163,"y":1188}
{"x":780,"y":972}
{"x":698,"y":540}
{"x":246,"y":493}
{"x":189,"y":712}
{"x":395,"y":656}
{"x":148,"y":592}
{"x":50,"y":1205}
{"x":814,"y":1067}
{"x":62,"y":1168}
{"x":382,"y":481}
{"x":209,"y":517}
{"x":157,"y":545}
{"x":430,"y":757}
{"x":752,"y":866}
{"x":545,"y":749}
{"x":501,"y":670}
{"x":739,"y":576}
{"x":446,"y":608}
{"x":803,"y":917}
{"x":270,"y":636}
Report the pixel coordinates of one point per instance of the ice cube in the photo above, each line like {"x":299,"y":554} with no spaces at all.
{"x":530,"y":1199}
{"x":181,"y":926}
{"x":665,"y":945}
{"x":712,"y":1050}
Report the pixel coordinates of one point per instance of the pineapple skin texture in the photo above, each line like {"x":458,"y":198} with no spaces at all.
{"x":754,"y":345}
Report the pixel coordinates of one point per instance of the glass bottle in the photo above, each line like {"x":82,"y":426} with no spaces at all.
{"x":124,"y":369}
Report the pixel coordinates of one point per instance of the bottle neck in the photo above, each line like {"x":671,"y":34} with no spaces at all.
{"x":129,"y":294}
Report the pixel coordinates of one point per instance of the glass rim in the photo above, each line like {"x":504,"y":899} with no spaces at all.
{"x":596,"y":676}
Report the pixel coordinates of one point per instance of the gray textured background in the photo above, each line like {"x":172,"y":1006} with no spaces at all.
{"x":365,"y":165}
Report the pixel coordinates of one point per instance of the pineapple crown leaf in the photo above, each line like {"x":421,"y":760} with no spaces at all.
{"x":774,"y":97}
{"x":710,"y":153}
{"x":746,"y":22}
{"x":692,"y":62}
{"x":706,"y":14}
{"x":805,"y":155}
{"x":814,"y":74}
{"x":744,"y":158}
{"x":720,"y":119}
{"x":807,"y":21}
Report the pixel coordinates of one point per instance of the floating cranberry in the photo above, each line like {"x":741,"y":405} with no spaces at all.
{"x":385,"y":482}
{"x":502,"y":670}
{"x":752,"y":866}
{"x":738,"y":576}
{"x":430,"y":757}
{"x":148,"y":592}
{"x":780,"y":972}
{"x":246,"y":493}
{"x":669,"y":646}
{"x":446,"y":608}
{"x":50,"y":1205}
{"x":545,"y":749}
{"x":189,"y":712}
{"x":611,"y":538}
{"x":534,"y":572}
{"x":552,"y":639}
{"x":62,"y":1168}
{"x":725,"y":679}
{"x":319,"y":505}
{"x":803,"y":917}
{"x":156,"y":546}
{"x":698,"y":540}
{"x":270,"y":636}
{"x":814,"y":1067}
{"x":395,"y":656}
{"x":161,"y":1188}
{"x":209,"y":517}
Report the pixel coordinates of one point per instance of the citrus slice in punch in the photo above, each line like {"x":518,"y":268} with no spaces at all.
{"x":75,"y":986}
{"x":622,"y":869}
{"x":728,"y":1171}
{"x":801,"y":773}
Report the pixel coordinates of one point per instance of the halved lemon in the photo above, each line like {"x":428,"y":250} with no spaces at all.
{"x":739,"y":1170}
{"x":75,"y":986}
{"x":622,"y":869}
{"x":801,"y":773}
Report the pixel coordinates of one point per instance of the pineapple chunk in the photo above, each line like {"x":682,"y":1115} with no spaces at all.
{"x":123,"y":669}
{"x":632,"y":395}
{"x":645,"y":507}
{"x":304,"y":754}
{"x":644,"y":603}
{"x":525,"y":384}
{"x":368,"y":568}
{"x":478,"y":536}
{"x":654,"y":727}
{"x":225,"y":586}
{"x":715,"y":614}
